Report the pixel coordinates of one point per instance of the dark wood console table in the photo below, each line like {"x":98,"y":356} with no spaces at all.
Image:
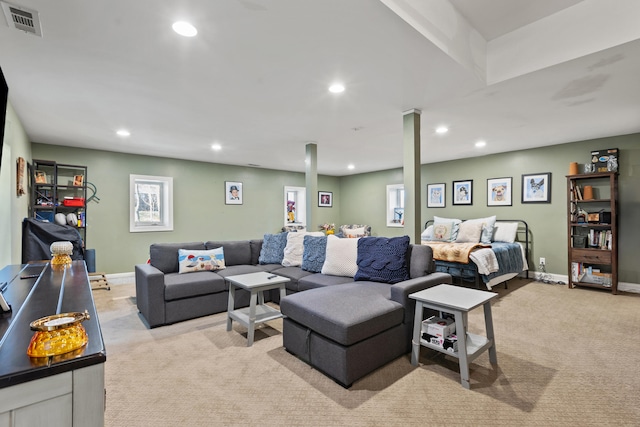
{"x":65,"y":390}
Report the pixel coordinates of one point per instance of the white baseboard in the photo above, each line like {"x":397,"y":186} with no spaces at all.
{"x":622,"y":286}
{"x":121,"y":278}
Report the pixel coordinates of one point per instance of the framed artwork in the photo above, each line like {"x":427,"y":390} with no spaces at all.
{"x":463,"y":192}
{"x":78,"y":180}
{"x":41,"y":177}
{"x":499,"y":191}
{"x":233,"y":193}
{"x":435,"y":195}
{"x":325,"y":199}
{"x":536,"y":188}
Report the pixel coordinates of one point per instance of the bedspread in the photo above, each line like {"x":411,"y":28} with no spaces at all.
{"x":453,"y":252}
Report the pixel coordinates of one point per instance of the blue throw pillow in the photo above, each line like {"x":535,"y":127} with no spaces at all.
{"x":315,"y":248}
{"x":383,"y":259}
{"x":272,"y":250}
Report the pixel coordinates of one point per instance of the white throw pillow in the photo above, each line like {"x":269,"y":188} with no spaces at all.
{"x":487,"y":228}
{"x":427,"y":234}
{"x":469,"y":232}
{"x":295,"y":248}
{"x":505,"y":232}
{"x":454,"y":229}
{"x":341,"y":257}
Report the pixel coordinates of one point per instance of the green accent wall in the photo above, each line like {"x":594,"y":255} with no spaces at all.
{"x":547,"y":222}
{"x":200,"y":213}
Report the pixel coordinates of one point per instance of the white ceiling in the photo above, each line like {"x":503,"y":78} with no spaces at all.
{"x":255,"y":77}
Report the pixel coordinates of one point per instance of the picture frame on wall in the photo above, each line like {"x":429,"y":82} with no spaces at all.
{"x":536,"y":188}
{"x":436,"y":195}
{"x":233,"y":193}
{"x":499,"y":191}
{"x":463,"y":192}
{"x":325,"y":199}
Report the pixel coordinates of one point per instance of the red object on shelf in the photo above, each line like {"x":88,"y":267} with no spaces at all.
{"x":75,"y":202}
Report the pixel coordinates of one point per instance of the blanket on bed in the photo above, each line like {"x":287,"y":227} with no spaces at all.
{"x":453,"y":252}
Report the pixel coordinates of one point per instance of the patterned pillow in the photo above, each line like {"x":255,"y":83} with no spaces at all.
{"x":315,"y":249}
{"x":340,"y":259}
{"x":294,"y":249}
{"x":272,"y":250}
{"x":454,"y":229}
{"x":190,"y":260}
{"x":487,"y":228}
{"x":383,"y":259}
{"x":442,"y":231}
{"x":355,"y":230}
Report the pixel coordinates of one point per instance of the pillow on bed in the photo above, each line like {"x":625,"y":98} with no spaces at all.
{"x":442,"y":231}
{"x":469,"y":232}
{"x":487,"y":228}
{"x":505,"y":232}
{"x":427,"y":234}
{"x":454,"y":228}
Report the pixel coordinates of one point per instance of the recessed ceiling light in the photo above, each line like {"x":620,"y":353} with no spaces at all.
{"x":442,"y":130}
{"x":123,"y":133}
{"x":351,"y":166}
{"x":336,"y":88}
{"x":481,"y":143}
{"x":184,"y":29}
{"x":216,"y":147}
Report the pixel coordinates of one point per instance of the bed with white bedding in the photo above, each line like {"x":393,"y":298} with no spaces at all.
{"x":499,"y":253}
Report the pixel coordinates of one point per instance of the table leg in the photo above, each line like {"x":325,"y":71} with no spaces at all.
{"x":417,"y":329}
{"x":251,"y":328}
{"x":488,"y":322}
{"x":261,"y":298}
{"x":231,"y":305}
{"x":283,"y":291}
{"x":461,"y":333}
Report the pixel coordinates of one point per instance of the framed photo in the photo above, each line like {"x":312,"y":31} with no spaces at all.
{"x":536,"y":188}
{"x":78,"y":180}
{"x":41,"y":177}
{"x":435,"y":195}
{"x":463,"y":192}
{"x":499,"y":191}
{"x":233,"y":193}
{"x":325,"y":199}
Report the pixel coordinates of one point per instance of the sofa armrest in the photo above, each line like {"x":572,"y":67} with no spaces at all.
{"x":150,"y":294}
{"x":400,"y":291}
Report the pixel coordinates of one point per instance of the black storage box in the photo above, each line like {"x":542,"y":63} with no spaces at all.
{"x":605,"y":160}
{"x":599,"y":217}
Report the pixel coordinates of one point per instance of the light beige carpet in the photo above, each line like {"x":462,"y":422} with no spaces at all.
{"x":566,"y":357}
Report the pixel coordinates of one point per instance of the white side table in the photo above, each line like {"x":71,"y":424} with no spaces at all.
{"x":457,"y":301}
{"x":258,"y":311}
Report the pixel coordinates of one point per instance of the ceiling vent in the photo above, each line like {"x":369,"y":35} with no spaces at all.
{"x":22,"y":18}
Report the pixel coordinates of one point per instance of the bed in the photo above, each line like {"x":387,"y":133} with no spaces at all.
{"x":500,"y":254}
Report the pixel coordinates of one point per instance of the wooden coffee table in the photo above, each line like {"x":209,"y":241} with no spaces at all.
{"x":258,"y":311}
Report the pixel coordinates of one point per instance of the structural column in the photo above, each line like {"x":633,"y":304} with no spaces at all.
{"x":411,"y":173}
{"x":311,"y":183}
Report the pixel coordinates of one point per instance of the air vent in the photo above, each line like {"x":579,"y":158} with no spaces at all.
{"x":22,"y":18}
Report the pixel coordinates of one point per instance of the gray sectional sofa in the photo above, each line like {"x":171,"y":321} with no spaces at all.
{"x":343,"y":327}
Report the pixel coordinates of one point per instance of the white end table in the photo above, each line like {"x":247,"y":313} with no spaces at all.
{"x":457,"y":301}
{"x":258,"y":311}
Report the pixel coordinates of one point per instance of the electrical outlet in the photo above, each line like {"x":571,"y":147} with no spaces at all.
{"x":543,"y":261}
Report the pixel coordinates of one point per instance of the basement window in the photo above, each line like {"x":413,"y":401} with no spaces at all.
{"x":295,"y":206}
{"x":151,"y":203}
{"x":395,"y":205}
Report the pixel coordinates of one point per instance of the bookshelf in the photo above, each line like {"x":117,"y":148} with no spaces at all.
{"x":592,"y":230}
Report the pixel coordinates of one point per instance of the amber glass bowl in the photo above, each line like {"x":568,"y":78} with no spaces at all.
{"x":57,"y":334}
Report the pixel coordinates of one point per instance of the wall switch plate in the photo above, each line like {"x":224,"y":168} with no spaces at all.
{"x":543,"y":261}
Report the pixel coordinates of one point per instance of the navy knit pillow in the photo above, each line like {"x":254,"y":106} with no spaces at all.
{"x":383,"y":259}
{"x":315,"y":248}
{"x":272,"y":250}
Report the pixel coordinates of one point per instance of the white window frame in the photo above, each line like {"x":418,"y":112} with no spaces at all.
{"x":301,"y":205}
{"x":166,"y":204}
{"x":395,"y":200}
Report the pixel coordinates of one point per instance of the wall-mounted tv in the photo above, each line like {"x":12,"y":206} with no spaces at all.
{"x":4,"y":94}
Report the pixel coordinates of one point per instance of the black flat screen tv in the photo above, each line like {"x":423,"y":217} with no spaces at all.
{"x":4,"y":94}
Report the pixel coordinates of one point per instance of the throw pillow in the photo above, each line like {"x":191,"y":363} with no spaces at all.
{"x":455,"y":225}
{"x":383,"y":259}
{"x":505,"y":232}
{"x":315,"y":248}
{"x":341,"y":257}
{"x":442,"y":231}
{"x":427,"y":234}
{"x":295,"y":247}
{"x":469,"y":232}
{"x":487,"y":228}
{"x":272,"y":250}
{"x":190,"y":260}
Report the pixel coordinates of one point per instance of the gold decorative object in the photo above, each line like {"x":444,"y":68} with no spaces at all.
{"x":57,"y":334}
{"x":61,"y":254}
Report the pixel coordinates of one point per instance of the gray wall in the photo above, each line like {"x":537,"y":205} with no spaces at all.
{"x":200,"y":213}
{"x":547,"y":222}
